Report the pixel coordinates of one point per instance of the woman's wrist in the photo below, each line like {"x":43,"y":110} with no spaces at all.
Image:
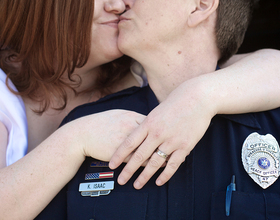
{"x":68,"y":140}
{"x":202,"y":94}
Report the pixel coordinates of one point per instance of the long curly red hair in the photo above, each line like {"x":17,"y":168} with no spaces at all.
{"x":33,"y":32}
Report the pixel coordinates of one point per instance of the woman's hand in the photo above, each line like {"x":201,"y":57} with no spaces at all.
{"x":101,"y":134}
{"x":174,"y":127}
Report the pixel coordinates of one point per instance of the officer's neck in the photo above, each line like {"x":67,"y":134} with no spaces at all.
{"x":169,"y":70}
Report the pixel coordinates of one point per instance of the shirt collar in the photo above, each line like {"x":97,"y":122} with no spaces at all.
{"x":248,"y":120}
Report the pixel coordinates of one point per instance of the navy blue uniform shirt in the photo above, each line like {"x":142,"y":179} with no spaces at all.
{"x":198,"y":188}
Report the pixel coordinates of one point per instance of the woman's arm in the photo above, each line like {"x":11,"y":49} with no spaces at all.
{"x":28,"y":185}
{"x":250,"y":84}
{"x":236,"y":58}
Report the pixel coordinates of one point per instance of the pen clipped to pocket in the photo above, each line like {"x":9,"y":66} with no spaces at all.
{"x":230,"y":188}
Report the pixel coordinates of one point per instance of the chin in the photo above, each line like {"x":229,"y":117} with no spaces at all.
{"x":124,"y":46}
{"x":113,"y":55}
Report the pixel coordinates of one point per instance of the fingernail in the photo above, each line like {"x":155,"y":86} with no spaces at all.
{"x":159,"y":182}
{"x":137,"y":185}
{"x":112,"y":165}
{"x":121,"y":180}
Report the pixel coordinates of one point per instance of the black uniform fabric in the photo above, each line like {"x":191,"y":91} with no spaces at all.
{"x":198,"y":188}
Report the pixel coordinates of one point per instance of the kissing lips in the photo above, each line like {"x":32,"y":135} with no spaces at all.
{"x":112,"y":23}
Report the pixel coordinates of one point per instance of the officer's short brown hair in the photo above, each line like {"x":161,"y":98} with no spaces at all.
{"x":233,"y":18}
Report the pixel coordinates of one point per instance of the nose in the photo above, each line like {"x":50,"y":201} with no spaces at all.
{"x":115,"y":6}
{"x":128,"y":4}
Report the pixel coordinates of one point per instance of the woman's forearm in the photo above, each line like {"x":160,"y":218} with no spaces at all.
{"x":32,"y":182}
{"x":28,"y":185}
{"x":250,"y":84}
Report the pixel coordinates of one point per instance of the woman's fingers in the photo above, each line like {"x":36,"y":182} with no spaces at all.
{"x":142,"y":154}
{"x":127,"y":147}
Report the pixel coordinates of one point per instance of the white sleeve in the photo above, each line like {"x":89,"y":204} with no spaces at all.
{"x":13,"y":116}
{"x":139,"y":73}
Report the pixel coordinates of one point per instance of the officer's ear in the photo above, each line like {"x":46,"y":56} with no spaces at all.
{"x":204,"y":8}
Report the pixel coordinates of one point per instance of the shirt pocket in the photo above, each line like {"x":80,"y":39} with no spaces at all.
{"x":246,"y":206}
{"x":116,"y":205}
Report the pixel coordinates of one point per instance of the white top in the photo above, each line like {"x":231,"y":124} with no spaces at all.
{"x":13,"y":116}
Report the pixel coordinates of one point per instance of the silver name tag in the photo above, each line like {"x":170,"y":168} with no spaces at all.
{"x":96,"y":186}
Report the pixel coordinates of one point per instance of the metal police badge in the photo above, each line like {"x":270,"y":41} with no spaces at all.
{"x":260,"y":157}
